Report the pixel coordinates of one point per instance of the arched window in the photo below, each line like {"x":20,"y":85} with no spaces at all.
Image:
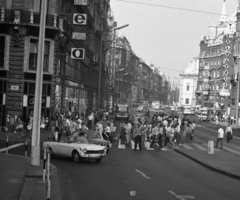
{"x":188,"y":87}
{"x":186,"y":101}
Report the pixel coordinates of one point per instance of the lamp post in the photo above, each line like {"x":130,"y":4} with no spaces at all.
{"x":35,"y":148}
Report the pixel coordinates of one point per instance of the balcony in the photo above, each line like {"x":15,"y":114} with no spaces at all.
{"x":31,"y":18}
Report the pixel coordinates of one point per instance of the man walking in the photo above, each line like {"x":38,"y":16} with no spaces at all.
{"x":138,"y":136}
{"x":220,"y":137}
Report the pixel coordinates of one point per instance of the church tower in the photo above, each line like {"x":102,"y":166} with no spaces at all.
{"x":223,"y":18}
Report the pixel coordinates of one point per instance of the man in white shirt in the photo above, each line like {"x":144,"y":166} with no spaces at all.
{"x":128,"y":129}
{"x":220,"y":137}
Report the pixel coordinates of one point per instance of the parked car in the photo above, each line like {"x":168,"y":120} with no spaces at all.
{"x":77,"y":151}
{"x":94,"y":137}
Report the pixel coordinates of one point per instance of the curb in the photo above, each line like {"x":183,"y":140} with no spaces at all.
{"x":209,"y":166}
{"x":34,"y":188}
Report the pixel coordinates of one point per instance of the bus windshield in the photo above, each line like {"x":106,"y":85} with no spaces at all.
{"x":122,"y":108}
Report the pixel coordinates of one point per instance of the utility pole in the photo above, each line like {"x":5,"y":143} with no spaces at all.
{"x":35,"y":148}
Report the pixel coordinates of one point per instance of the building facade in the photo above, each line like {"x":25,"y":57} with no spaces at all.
{"x":215,"y":61}
{"x":188,"y":84}
{"x":69,"y":85}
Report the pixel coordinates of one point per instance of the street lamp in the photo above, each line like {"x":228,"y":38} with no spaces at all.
{"x":35,"y":146}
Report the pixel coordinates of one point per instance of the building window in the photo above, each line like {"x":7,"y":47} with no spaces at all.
{"x":188,"y":87}
{"x":33,"y":55}
{"x":186,"y":101}
{"x":2,"y":48}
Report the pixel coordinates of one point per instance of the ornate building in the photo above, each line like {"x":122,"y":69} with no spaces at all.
{"x":215,"y":61}
{"x":68,"y":84}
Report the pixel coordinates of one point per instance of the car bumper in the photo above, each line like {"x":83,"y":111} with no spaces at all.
{"x":93,"y":155}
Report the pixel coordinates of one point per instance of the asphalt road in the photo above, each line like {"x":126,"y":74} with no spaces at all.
{"x":149,"y":175}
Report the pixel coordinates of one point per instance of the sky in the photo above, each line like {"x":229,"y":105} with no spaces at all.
{"x":168,"y":38}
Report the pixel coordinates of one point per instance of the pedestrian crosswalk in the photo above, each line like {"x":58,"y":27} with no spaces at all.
{"x":187,"y":146}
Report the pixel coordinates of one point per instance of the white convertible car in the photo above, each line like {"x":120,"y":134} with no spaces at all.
{"x":78,"y":151}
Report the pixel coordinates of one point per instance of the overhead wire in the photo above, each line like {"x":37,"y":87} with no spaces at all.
{"x":170,"y":7}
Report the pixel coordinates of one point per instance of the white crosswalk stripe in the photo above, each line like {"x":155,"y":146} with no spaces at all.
{"x":187,"y":146}
{"x":11,"y":147}
{"x":121,"y":146}
{"x":200,"y":147}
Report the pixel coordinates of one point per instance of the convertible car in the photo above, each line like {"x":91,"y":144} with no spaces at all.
{"x":93,"y":137}
{"x":78,"y":151}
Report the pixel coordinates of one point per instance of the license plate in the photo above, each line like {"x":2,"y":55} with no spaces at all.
{"x":94,"y":155}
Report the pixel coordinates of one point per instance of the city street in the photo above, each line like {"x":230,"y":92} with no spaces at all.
{"x":149,"y":174}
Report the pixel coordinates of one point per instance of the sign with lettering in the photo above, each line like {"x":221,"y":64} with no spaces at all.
{"x":78,"y":36}
{"x":77,"y":53}
{"x":80,"y":2}
{"x":224,"y":93}
{"x":14,"y":87}
{"x":79,"y":18}
{"x":32,"y":99}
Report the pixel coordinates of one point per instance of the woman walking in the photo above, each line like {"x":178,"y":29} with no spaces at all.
{"x":229,"y":133}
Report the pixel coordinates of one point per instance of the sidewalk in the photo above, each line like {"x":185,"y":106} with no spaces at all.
{"x":221,"y":161}
{"x":24,"y":182}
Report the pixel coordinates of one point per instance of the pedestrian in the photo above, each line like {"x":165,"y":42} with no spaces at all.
{"x":167,"y":137}
{"x":19,"y":127}
{"x":52,"y":128}
{"x":123,"y":133}
{"x":229,"y":133}
{"x":108,"y":132}
{"x":8,"y":123}
{"x":138,"y":137}
{"x":220,"y":137}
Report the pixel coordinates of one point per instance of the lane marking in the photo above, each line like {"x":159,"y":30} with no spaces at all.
{"x":121,"y":146}
{"x":187,"y":147}
{"x":165,"y":149}
{"x":231,"y":150}
{"x":12,"y":147}
{"x":236,"y":147}
{"x":215,"y":131}
{"x":182,"y":197}
{"x":200,"y":147}
{"x":144,"y":175}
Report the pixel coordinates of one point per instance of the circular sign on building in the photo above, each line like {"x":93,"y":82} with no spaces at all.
{"x":205,"y":86}
{"x":206,"y":73}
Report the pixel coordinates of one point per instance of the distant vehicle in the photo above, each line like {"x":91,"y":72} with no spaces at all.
{"x":204,"y":114}
{"x":145,"y":103}
{"x":156,"y":105}
{"x":122,"y":112}
{"x":140,"y":108}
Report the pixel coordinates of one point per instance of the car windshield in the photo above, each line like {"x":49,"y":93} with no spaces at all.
{"x":94,"y":135}
{"x":122,"y":108}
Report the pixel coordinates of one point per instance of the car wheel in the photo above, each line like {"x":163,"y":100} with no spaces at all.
{"x":98,"y":160}
{"x":76,"y":157}
{"x":51,"y":152}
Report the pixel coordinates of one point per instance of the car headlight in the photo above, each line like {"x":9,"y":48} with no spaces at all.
{"x":84,"y":150}
{"x":105,"y":149}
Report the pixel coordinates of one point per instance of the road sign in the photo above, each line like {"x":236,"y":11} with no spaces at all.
{"x":80,"y":2}
{"x":78,"y":36}
{"x":14,"y":87}
{"x":79,"y":18}
{"x":77,"y":53}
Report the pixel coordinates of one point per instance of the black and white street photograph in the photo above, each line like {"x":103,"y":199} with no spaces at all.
{"x":119,"y":99}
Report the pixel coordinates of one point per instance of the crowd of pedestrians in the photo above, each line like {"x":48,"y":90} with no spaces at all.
{"x":160,"y":130}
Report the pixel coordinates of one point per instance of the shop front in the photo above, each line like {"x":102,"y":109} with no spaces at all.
{"x":70,"y":98}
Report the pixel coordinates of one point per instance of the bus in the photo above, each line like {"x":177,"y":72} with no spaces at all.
{"x":122,"y":112}
{"x":156,"y":105}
